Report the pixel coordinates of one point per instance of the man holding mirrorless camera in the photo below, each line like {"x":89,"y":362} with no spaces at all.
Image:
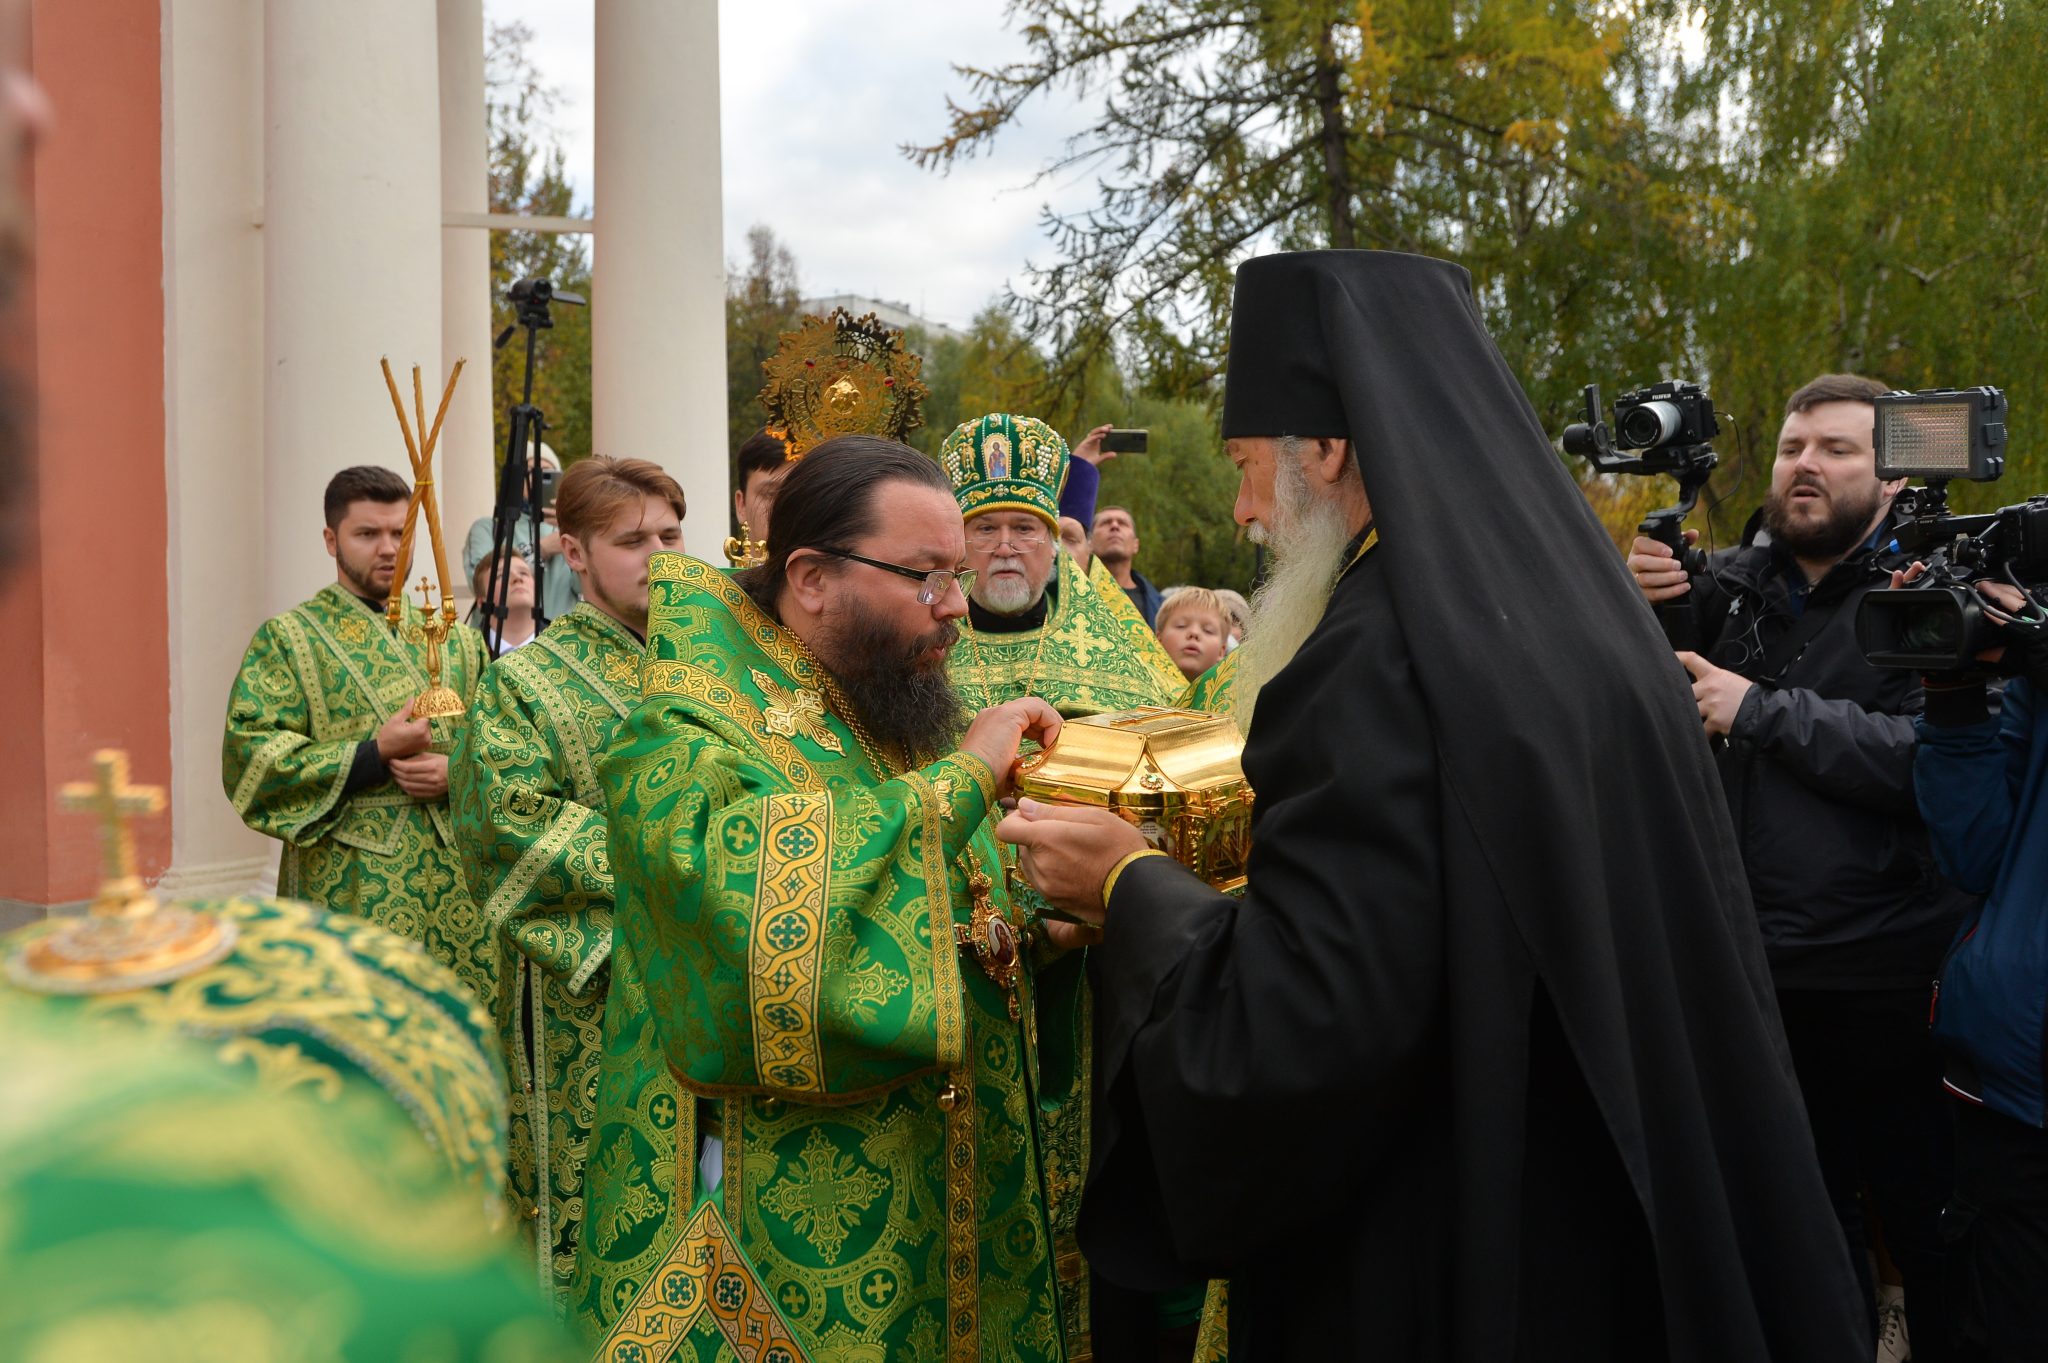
{"x":1816,"y":750}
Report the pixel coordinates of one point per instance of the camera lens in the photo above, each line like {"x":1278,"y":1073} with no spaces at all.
{"x":1648,"y":425}
{"x":1933,"y":628}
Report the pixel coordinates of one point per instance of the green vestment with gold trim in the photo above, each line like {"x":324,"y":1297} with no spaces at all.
{"x":317,"y":681}
{"x":793,"y":910}
{"x":1211,"y":690}
{"x":312,"y":1001}
{"x":530,"y":825}
{"x":156,"y":1202}
{"x":1092,"y":655}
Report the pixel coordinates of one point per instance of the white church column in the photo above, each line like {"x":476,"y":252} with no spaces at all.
{"x":213,"y":423}
{"x":658,"y":293}
{"x":465,"y":462}
{"x":351,"y":254}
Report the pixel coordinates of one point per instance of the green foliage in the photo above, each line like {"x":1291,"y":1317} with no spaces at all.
{"x":527,"y":177}
{"x":760,"y":304}
{"x":1180,"y":491}
{"x":1829,"y":184}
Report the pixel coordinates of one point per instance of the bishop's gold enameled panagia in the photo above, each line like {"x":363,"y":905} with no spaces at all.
{"x":1177,"y":775}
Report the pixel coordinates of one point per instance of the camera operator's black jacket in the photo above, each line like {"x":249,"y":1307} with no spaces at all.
{"x":1818,"y":771}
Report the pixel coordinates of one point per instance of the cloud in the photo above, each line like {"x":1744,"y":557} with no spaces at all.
{"x":815,"y":99}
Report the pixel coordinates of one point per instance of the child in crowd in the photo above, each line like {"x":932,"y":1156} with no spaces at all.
{"x":1240,"y":612}
{"x":519,"y":592}
{"x":1194,"y":626}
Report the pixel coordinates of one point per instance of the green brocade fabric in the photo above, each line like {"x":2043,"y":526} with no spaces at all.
{"x":792,"y":910}
{"x":1093,"y":655}
{"x":312,"y":1001}
{"x":530,"y":824}
{"x":317,"y":681}
{"x":1211,"y":690}
{"x":155,"y":1204}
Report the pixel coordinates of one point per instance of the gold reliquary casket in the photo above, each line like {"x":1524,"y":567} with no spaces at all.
{"x":1176,"y":774}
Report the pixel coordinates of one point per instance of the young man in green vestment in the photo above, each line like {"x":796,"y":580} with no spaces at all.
{"x":322,"y":751}
{"x":806,"y":882}
{"x":529,"y":822}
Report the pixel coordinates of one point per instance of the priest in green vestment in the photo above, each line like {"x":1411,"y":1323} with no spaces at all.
{"x":322,"y":752}
{"x":1036,"y":625}
{"x":1039,"y":626}
{"x":529,"y":822}
{"x":806,"y":882}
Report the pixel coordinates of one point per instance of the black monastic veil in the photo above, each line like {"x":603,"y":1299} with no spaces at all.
{"x":1486,"y":1064}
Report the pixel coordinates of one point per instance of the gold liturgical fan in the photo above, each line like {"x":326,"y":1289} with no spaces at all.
{"x":437,"y":701}
{"x":834,"y":375}
{"x":1178,"y":775}
{"x":128,"y":940}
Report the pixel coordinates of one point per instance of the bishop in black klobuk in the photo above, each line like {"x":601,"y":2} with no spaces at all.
{"x":1485,"y":1064}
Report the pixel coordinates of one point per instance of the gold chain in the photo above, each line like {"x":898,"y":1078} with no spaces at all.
{"x":988,"y":692}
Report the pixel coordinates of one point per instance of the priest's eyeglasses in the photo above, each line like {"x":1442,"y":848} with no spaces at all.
{"x":937,"y":581}
{"x":983,"y":535}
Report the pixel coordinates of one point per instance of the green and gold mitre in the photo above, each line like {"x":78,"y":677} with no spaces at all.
{"x":285,"y":994}
{"x":1001,"y":462}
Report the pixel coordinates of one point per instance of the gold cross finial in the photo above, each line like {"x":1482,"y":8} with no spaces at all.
{"x":426,"y":591}
{"x":111,"y":798}
{"x":128,"y":941}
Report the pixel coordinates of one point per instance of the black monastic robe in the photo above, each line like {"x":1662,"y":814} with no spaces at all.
{"x":1485,"y":1064}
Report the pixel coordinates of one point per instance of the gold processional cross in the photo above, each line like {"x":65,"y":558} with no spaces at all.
{"x":437,"y":701}
{"x":128,"y":940}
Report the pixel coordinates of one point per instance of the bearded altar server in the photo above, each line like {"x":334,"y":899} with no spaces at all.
{"x":1485,"y":1064}
{"x":807,"y":882}
{"x":529,"y":822}
{"x":322,"y":751}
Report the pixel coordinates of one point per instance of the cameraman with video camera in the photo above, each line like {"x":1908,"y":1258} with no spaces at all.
{"x":1981,"y":776}
{"x":1816,"y":759}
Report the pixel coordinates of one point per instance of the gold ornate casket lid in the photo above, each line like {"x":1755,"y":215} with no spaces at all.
{"x":1137,"y":757}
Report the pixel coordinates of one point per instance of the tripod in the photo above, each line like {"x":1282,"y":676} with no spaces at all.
{"x":519,"y":481}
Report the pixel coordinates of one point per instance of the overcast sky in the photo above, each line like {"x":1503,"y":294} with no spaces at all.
{"x":815,"y":99}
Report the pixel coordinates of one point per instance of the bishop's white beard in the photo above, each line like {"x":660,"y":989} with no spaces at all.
{"x":1009,"y":594}
{"x":1306,"y":538}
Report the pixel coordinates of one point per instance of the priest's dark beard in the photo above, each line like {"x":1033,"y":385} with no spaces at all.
{"x":905,"y":704}
{"x":1307,"y":537}
{"x":1844,"y":527}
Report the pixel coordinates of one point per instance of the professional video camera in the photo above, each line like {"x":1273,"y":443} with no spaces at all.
{"x":1941,"y":623}
{"x":1670,"y":425}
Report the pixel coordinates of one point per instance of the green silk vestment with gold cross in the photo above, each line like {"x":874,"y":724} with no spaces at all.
{"x":317,"y":681}
{"x":793,"y":910}
{"x":530,"y":825}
